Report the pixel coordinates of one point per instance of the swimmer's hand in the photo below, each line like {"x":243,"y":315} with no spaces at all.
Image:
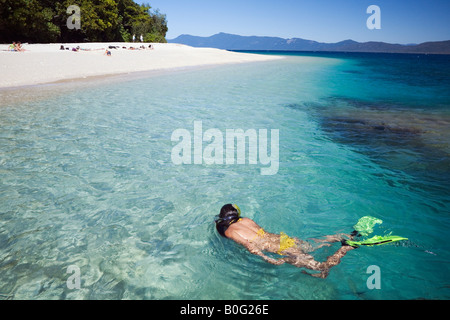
{"x":276,"y":262}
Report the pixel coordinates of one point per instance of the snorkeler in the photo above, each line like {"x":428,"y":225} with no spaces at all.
{"x":256,"y":240}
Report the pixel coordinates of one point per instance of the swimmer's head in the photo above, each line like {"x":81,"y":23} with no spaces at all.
{"x":229,"y":214}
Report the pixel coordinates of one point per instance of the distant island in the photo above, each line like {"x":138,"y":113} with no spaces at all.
{"x":255,"y":43}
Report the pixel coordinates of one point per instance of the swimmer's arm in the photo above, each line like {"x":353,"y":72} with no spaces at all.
{"x":333,"y":238}
{"x":266,"y":258}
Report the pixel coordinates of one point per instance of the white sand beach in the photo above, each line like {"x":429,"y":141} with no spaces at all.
{"x":46,"y":63}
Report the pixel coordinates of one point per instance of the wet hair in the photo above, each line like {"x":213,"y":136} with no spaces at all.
{"x":228,"y":215}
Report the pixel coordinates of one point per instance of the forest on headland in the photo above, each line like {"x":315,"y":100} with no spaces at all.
{"x":49,"y":21}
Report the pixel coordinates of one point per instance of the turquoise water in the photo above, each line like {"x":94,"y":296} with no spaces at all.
{"x":87,"y":180}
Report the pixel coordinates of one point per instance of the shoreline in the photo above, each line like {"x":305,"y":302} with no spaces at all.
{"x":81,"y":80}
{"x":46,"y":63}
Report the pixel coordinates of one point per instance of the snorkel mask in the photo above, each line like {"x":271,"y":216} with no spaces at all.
{"x":229,"y":218}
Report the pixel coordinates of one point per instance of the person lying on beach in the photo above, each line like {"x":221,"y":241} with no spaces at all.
{"x":12,"y":46}
{"x":294,"y":251}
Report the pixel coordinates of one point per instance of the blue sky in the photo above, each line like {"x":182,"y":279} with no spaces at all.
{"x":402,"y":21}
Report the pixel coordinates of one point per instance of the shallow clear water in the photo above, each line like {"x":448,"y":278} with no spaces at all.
{"x":87,"y":179}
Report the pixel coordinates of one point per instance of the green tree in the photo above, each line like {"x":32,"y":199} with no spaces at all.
{"x":151,"y":24}
{"x":27,"y":20}
{"x":101,"y":20}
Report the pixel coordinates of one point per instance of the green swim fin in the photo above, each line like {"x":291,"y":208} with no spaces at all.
{"x":365,"y":225}
{"x":375,"y":241}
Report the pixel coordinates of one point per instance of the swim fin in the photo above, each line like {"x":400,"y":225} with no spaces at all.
{"x":365,"y":225}
{"x":374,"y":241}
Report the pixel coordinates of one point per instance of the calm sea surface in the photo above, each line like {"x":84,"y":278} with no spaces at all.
{"x":87,"y":180}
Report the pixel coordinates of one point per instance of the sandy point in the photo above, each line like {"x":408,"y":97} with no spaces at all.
{"x":46,"y":63}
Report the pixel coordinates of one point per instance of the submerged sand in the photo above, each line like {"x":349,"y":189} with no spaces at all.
{"x":46,"y":63}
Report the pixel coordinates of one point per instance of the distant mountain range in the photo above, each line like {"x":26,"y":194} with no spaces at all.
{"x":236,"y":42}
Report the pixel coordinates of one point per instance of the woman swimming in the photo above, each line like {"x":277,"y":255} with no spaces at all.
{"x":256,"y":240}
